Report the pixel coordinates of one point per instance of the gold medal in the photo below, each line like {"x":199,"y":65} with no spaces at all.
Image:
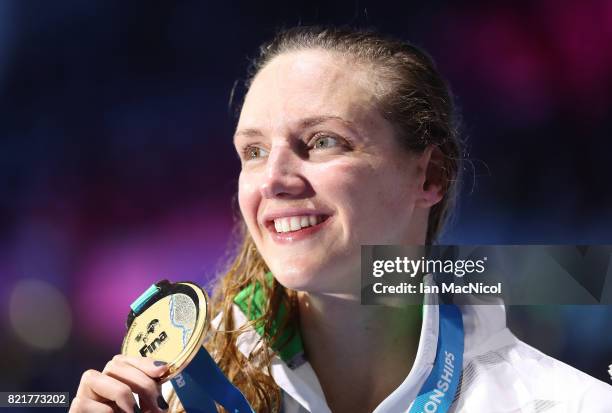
{"x":167,"y":323}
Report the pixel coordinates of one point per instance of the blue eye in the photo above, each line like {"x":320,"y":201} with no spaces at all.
{"x":254,"y":152}
{"x":324,"y":142}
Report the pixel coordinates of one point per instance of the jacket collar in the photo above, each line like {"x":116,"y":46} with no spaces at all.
{"x":301,"y":383}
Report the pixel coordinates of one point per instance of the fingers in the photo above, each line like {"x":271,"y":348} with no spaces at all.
{"x":123,"y":369}
{"x":115,"y":385}
{"x":83,"y":404}
{"x":150,"y":367}
{"x":101,"y":388}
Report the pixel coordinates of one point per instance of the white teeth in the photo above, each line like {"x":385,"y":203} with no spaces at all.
{"x":294,"y":223}
{"x":284,"y":225}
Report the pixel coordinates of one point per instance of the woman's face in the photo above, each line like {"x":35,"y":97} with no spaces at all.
{"x":323,"y":173}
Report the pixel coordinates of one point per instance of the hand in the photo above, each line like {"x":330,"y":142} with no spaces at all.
{"x":112,"y":389}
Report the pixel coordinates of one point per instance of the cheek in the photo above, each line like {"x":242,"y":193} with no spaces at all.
{"x":375,"y":201}
{"x":248,"y":199}
{"x":395,"y":191}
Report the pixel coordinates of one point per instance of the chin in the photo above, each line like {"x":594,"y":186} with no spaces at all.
{"x":316,"y":278}
{"x":298,"y":279}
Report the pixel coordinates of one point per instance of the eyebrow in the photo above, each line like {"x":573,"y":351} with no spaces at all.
{"x":302,"y":124}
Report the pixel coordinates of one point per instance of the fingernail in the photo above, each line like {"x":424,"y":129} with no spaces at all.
{"x":159,"y":363}
{"x":161,"y":402}
{"x":137,"y":408}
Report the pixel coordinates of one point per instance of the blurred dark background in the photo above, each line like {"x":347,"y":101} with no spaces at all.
{"x":117,"y":168}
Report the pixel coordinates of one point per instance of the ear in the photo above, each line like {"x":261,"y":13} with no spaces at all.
{"x":431,"y":177}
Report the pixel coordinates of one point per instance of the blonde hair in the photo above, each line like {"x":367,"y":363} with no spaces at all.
{"x":418,"y":103}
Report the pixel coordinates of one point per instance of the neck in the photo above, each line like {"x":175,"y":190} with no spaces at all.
{"x":370,"y":347}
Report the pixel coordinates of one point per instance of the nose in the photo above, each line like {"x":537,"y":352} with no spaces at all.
{"x":282,"y":175}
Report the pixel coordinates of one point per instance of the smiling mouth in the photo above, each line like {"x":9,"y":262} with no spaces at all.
{"x":288,"y":225}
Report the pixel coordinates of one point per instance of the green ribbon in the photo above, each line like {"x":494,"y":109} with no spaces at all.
{"x":252,"y":301}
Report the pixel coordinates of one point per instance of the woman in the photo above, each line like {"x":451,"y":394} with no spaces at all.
{"x":346,"y":138}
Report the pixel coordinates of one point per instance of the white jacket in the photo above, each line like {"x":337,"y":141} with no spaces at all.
{"x":501,"y":374}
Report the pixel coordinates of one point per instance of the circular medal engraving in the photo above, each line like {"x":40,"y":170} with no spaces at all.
{"x":168,"y":325}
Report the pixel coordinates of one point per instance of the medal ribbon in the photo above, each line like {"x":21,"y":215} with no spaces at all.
{"x":202,"y":383}
{"x":438,"y":391}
